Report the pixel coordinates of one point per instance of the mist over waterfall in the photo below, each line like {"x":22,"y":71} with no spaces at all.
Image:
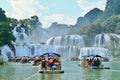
{"x":37,"y":34}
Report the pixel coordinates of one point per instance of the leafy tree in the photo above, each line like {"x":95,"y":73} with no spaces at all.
{"x":2,"y":15}
{"x":94,"y":29}
{"x":13,"y":22}
{"x":110,"y":24}
{"x":6,"y":35}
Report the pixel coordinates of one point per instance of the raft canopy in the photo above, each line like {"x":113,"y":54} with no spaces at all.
{"x":93,"y":55}
{"x":50,"y":54}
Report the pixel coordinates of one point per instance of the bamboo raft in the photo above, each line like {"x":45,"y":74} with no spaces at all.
{"x":51,"y":71}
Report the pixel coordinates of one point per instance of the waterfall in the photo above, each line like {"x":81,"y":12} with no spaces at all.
{"x":22,"y":43}
{"x":102,"y":40}
{"x":95,"y":50}
{"x":21,"y":36}
{"x":67,"y":46}
{"x":6,"y":52}
{"x":68,"y":40}
{"x":41,"y":49}
{"x":22,"y":50}
{"x":23,"y":47}
{"x":71,"y":46}
{"x":3,"y":57}
{"x":105,"y":40}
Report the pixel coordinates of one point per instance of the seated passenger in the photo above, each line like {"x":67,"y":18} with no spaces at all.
{"x":57,"y":65}
{"x":98,"y":63}
{"x":43,"y":65}
{"x":50,"y":60}
{"x":85,"y":63}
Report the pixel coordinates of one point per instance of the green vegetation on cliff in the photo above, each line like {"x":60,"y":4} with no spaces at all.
{"x":6,"y":35}
{"x":107,"y":22}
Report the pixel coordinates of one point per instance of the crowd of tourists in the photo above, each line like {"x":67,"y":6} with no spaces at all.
{"x":88,"y":62}
{"x":50,"y":64}
{"x":24,"y":59}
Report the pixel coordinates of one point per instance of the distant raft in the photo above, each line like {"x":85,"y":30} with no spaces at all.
{"x":51,"y":71}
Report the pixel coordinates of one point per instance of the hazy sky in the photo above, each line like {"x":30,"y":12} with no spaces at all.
{"x":48,"y":11}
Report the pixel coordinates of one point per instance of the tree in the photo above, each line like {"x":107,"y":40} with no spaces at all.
{"x":6,"y":35}
{"x":13,"y":22}
{"x":94,"y":29}
{"x":2,"y":15}
{"x":110,"y":24}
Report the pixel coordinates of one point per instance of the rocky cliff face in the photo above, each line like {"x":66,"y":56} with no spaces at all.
{"x":112,"y":8}
{"x":89,"y":18}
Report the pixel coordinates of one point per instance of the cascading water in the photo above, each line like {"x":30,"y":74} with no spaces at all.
{"x":3,"y":57}
{"x":71,"y":46}
{"x":95,"y":51}
{"x":102,"y":40}
{"x":6,"y":53}
{"x":68,"y":46}
{"x":25,"y":46}
{"x":41,"y":49}
{"x":22,"y":43}
{"x":69,"y":40}
{"x":21,"y":37}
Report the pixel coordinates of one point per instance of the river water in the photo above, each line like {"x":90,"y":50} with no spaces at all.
{"x":18,"y":71}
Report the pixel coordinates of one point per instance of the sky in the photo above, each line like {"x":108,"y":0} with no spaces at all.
{"x":48,"y":11}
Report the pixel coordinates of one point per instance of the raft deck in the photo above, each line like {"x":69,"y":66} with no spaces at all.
{"x":51,"y":71}
{"x":100,"y":67}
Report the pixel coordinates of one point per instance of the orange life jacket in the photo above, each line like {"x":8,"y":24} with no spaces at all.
{"x":56,"y":63}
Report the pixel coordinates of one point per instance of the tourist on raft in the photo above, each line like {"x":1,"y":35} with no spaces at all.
{"x":56,"y":65}
{"x":51,"y":64}
{"x":43,"y":65}
{"x":91,"y":62}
